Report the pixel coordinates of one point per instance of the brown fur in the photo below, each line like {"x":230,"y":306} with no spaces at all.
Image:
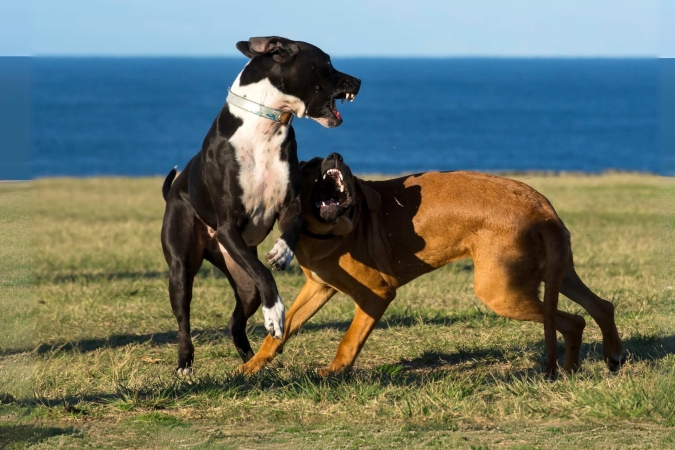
{"x":416,"y":224}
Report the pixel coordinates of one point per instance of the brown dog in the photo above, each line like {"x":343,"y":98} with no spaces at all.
{"x":368,"y":238}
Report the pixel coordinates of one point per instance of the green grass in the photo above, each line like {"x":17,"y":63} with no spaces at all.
{"x":15,"y":288}
{"x":90,"y":354}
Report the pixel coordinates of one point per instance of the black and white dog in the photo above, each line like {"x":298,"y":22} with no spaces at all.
{"x":245,"y":177}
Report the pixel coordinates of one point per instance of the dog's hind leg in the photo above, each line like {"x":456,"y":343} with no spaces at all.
{"x":247,"y":304}
{"x":247,"y":299}
{"x":184,"y":253}
{"x":602,"y":312}
{"x":513,"y":293}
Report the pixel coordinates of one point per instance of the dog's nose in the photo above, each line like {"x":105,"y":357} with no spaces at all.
{"x":335,"y":156}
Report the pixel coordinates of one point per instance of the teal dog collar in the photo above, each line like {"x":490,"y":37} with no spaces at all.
{"x":282,"y":117}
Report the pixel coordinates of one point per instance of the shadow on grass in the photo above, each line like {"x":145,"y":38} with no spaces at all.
{"x":434,"y":359}
{"x":22,"y":436}
{"x":648,"y":347}
{"x":166,"y":390}
{"x":403,"y":319}
{"x":207,"y":271}
{"x":638,"y":348}
{"x":86,"y":278}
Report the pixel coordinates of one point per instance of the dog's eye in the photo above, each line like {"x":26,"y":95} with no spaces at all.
{"x":318,"y":88}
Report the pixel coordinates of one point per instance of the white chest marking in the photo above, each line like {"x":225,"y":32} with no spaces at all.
{"x":263,"y":177}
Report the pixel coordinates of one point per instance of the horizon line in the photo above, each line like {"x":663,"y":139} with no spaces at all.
{"x":346,"y":56}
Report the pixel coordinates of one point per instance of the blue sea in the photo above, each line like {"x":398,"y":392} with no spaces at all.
{"x":142,"y":116}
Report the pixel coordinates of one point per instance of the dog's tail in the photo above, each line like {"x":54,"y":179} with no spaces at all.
{"x":558,"y":253}
{"x":166,"y":187}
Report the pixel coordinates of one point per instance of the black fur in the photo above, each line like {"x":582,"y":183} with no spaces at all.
{"x":167,"y":183}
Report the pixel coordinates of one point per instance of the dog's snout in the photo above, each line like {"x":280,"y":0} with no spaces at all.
{"x":354,"y":82}
{"x":350,"y":84}
{"x":335,"y":156}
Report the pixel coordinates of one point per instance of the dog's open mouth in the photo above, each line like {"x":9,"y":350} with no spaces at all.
{"x":332,"y":196}
{"x":342,"y":96}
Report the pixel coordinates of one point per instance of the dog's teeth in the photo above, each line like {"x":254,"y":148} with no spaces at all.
{"x":324,"y":175}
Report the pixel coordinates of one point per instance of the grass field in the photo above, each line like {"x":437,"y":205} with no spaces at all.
{"x":87,"y":355}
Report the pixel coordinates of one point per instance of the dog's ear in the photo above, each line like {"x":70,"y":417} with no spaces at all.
{"x":373,"y":198}
{"x":311,"y":162}
{"x":280,"y":48}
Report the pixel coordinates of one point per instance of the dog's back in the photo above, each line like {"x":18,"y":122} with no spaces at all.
{"x":450,"y":213}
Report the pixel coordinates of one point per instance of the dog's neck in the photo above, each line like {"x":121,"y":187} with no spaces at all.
{"x":342,"y":226}
{"x":264,"y":93}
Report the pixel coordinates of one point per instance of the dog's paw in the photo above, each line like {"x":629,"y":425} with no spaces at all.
{"x":251,"y":367}
{"x":184,"y":372}
{"x":274,"y":318}
{"x":615,"y":362}
{"x":280,"y":256}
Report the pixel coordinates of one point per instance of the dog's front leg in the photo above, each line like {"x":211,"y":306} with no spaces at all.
{"x":311,"y":298}
{"x":273,"y":308}
{"x":290,"y":226}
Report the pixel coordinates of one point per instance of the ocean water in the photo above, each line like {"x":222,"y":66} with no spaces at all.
{"x":142,"y":116}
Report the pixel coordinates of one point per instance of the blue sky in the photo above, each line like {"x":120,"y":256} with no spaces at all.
{"x":343,"y":28}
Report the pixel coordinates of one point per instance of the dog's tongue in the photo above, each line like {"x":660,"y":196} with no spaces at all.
{"x":337,"y":114}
